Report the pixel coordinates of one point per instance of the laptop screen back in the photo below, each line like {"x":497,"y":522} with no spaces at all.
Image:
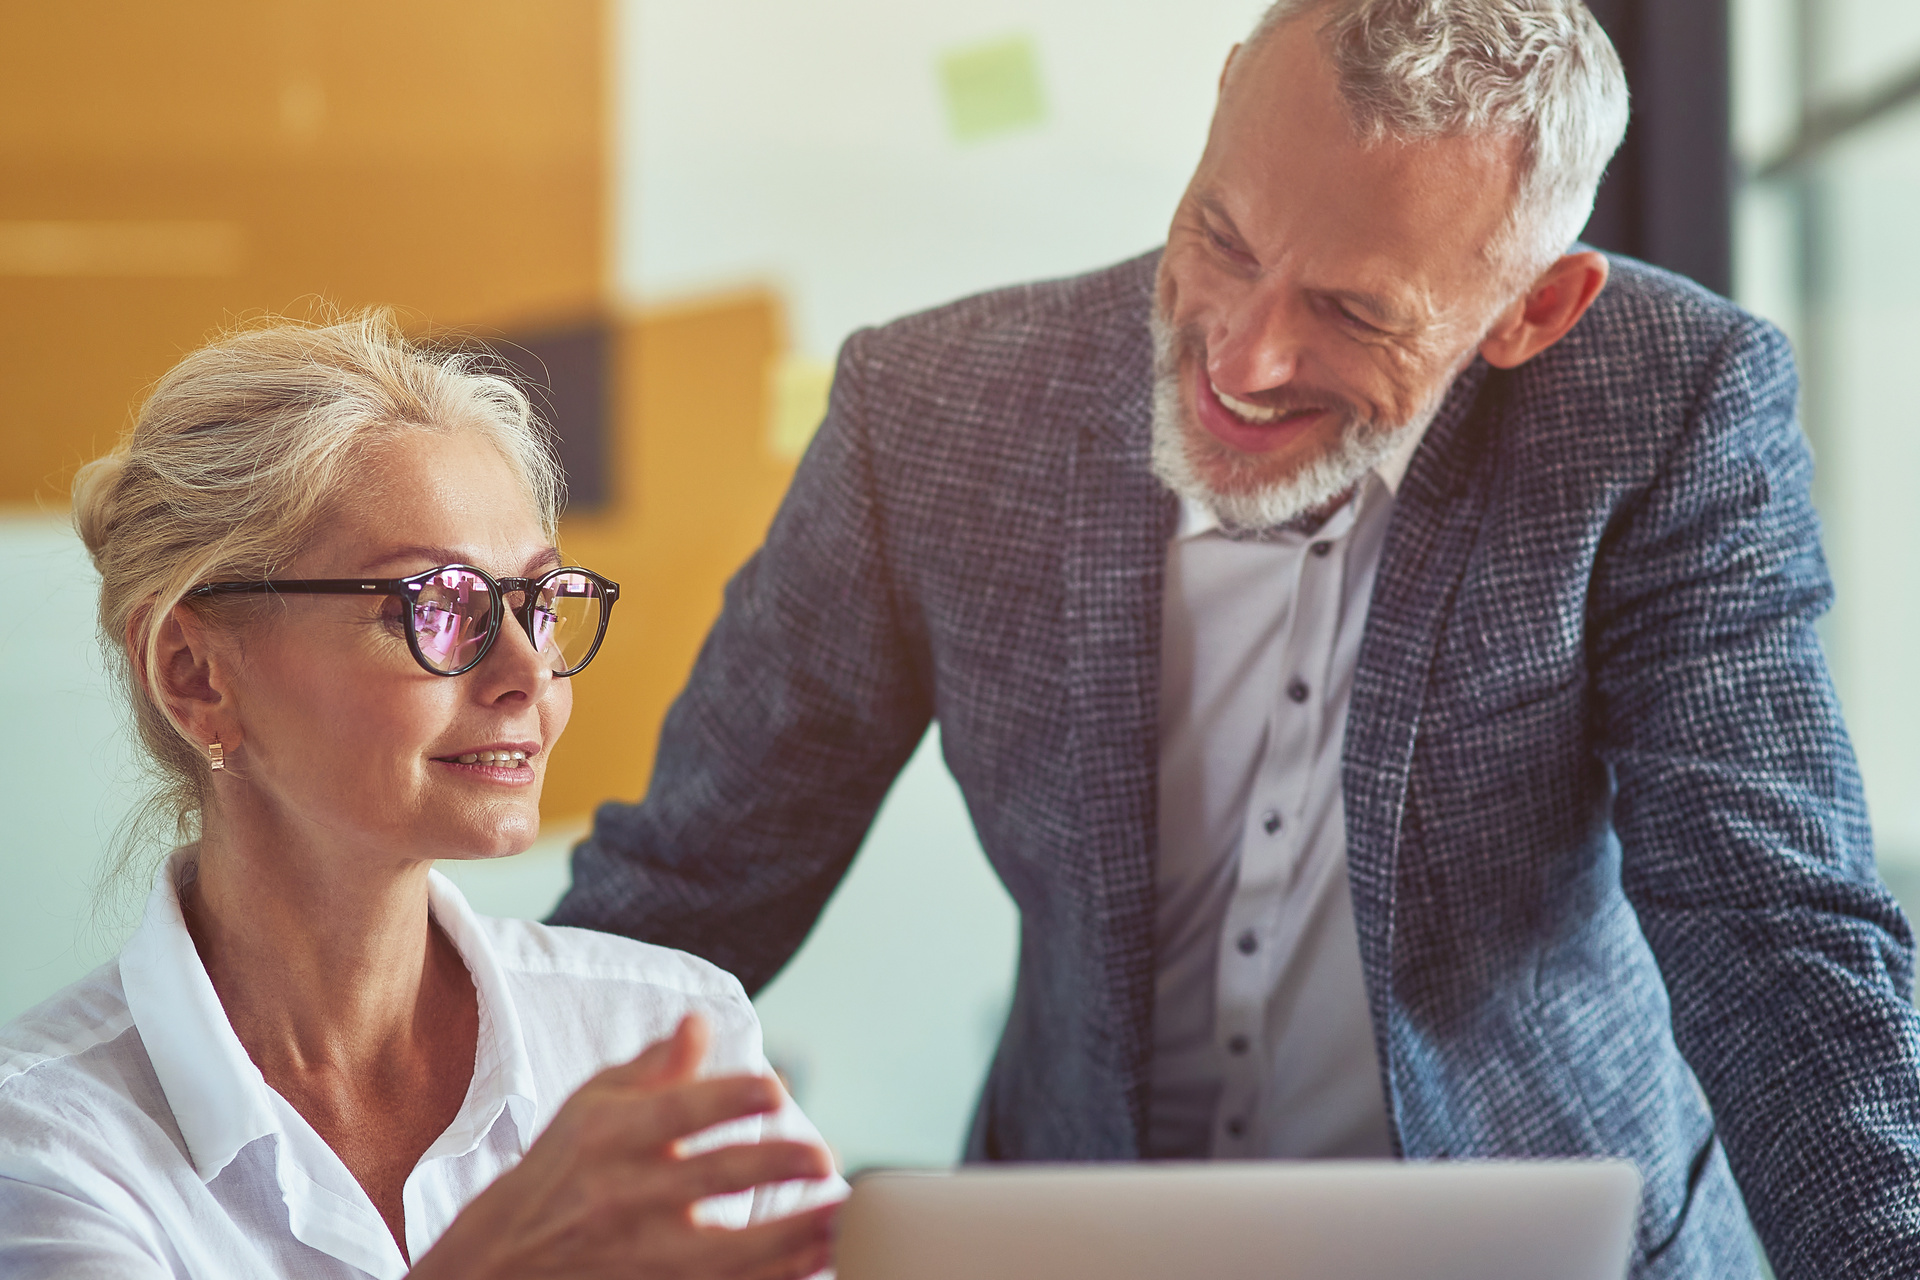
{"x":1319,"y":1220}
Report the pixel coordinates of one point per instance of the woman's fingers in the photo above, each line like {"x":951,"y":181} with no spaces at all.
{"x":642,"y":1125}
{"x":784,"y":1249}
{"x":607,"y":1186}
{"x":744,"y":1167}
{"x":686,"y":1049}
{"x":664,"y":1062}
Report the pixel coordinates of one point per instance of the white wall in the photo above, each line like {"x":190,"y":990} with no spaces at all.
{"x":65,"y":769}
{"x":807,"y":144}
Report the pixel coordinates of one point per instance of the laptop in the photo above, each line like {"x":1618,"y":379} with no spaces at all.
{"x":1267,"y":1220}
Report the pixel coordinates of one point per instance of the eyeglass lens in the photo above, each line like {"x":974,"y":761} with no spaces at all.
{"x":451,"y":618}
{"x":566,"y":619}
{"x":453,"y":615}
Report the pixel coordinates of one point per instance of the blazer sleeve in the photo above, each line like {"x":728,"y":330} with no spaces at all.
{"x":1746,"y":848}
{"x":806,"y":699}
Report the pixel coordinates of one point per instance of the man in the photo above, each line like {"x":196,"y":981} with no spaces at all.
{"x":1376,"y":646}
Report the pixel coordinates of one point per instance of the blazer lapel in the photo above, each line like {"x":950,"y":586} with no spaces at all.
{"x":1118,"y":520}
{"x":1435,"y":520}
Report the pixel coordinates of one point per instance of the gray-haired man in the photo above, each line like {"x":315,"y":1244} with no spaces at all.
{"x":1377,"y":651}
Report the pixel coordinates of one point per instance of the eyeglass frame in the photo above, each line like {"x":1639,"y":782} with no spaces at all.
{"x":409,"y":589}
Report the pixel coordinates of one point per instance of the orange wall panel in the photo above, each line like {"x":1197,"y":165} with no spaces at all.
{"x":698,"y":487}
{"x":447,"y":157}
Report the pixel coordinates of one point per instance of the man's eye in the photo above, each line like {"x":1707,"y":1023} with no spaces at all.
{"x":1355,"y":320}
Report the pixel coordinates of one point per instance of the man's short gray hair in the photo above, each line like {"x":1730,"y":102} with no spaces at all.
{"x":1540,"y":71}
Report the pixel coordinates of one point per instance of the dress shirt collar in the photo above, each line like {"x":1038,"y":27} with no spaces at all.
{"x":502,"y":1072}
{"x":1196,"y":519}
{"x":219,"y":1098}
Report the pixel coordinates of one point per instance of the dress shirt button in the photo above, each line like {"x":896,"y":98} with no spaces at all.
{"x":1270,"y":822}
{"x":1248,"y":943}
{"x":1322,"y":548}
{"x":1297,"y":690}
{"x":1236,"y":1128}
{"x":1239,"y":1045}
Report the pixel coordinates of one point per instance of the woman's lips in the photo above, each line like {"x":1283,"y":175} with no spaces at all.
{"x":504,"y":762}
{"x":1230,"y":429}
{"x":519,"y":774}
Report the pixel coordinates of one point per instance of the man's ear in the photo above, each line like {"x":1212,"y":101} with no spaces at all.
{"x":1227,"y":70}
{"x":1551,"y":307}
{"x":188,"y":676}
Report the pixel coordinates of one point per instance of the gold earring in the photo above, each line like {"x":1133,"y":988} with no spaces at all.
{"x":216,"y":756}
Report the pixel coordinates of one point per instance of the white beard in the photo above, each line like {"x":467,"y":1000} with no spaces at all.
{"x":1180,"y":454}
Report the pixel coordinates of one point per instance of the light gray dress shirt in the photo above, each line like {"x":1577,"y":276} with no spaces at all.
{"x":1262,"y":1042}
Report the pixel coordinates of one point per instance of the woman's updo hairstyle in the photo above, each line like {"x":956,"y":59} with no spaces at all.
{"x":231,"y":466}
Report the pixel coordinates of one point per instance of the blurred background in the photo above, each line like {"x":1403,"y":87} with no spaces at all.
{"x":668,"y":214}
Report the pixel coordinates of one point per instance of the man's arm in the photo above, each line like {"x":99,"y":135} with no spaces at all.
{"x":808,"y":696}
{"x":1748,"y":855}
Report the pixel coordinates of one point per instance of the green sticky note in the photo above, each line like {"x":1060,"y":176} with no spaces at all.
{"x":992,"y":88}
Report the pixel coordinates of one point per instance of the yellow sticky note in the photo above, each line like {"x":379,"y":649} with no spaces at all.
{"x":992,"y":88}
{"x":796,"y":402}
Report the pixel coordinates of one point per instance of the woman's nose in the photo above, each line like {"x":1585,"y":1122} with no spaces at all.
{"x":514,"y":664}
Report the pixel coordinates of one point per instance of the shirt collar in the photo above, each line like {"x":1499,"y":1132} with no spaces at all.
{"x":219,"y":1098}
{"x":1196,"y":519}
{"x":502,"y":1071}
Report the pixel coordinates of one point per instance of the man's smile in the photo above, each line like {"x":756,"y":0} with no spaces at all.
{"x":1245,"y":427}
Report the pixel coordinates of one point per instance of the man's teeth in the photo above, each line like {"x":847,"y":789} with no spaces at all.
{"x":1247,"y":412}
{"x":498,"y":759}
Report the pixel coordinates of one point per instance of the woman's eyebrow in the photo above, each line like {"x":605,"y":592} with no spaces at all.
{"x":432,"y":555}
{"x":548,"y":559}
{"x":539,"y":561}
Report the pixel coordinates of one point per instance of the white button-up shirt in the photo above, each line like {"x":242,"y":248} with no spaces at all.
{"x":137,"y":1139}
{"x":1262,"y":1040}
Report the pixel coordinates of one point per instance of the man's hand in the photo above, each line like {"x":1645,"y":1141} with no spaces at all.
{"x":605,"y":1192}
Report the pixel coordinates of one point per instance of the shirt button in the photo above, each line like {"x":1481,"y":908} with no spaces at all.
{"x":1297,"y":690}
{"x":1236,"y":1128}
{"x":1239,"y":1045}
{"x":1322,"y":548}
{"x":1248,"y":943}
{"x":1270,"y":823}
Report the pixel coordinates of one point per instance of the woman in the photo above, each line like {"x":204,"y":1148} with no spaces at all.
{"x":330,"y":582}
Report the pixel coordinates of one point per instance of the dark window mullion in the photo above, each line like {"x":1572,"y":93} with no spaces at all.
{"x":1668,"y":196}
{"x":1823,"y":124}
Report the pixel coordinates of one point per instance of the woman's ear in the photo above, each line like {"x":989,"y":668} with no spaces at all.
{"x":189,"y":676}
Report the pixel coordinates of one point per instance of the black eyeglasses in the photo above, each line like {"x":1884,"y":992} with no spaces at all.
{"x":453,"y":613}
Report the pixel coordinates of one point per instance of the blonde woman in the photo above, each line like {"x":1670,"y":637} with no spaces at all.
{"x":330,"y":579}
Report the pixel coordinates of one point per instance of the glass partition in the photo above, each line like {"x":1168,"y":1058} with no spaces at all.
{"x":1827,"y":120}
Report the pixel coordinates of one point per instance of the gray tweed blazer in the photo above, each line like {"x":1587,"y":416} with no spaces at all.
{"x":1606,"y":834}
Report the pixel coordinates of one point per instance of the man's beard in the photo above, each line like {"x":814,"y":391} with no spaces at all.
{"x":1182,"y":457}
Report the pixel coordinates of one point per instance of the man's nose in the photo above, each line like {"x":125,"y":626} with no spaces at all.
{"x":1255,"y":345}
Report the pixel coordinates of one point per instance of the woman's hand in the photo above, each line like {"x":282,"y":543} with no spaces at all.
{"x":604,"y":1191}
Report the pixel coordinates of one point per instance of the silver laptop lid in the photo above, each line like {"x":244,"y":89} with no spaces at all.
{"x":1274,"y":1220}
